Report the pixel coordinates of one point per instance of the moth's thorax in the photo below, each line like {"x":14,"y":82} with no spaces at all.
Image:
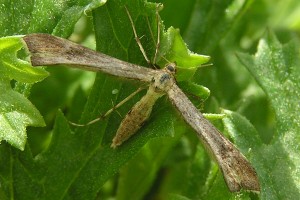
{"x":163,"y":80}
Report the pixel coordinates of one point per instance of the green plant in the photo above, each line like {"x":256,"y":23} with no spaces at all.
{"x":63,"y":162}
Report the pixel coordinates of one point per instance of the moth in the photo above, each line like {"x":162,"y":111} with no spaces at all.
{"x":49,"y":50}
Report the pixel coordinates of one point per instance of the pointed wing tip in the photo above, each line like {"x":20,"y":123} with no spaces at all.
{"x":241,"y":176}
{"x":36,"y":44}
{"x":45,"y":49}
{"x":37,"y":41}
{"x":252,"y":186}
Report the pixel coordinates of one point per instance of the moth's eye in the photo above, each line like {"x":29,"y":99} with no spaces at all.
{"x":171,"y":67}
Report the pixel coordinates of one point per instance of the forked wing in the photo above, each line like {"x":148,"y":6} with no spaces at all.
{"x":237,"y":171}
{"x":49,"y":50}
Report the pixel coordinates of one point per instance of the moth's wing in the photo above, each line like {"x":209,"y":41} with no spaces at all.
{"x":49,"y":50}
{"x":237,"y":171}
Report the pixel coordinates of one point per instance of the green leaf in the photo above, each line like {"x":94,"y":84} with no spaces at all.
{"x":72,"y":14}
{"x":211,"y":21}
{"x":174,"y":49}
{"x":194,"y":89}
{"x":16,"y":112}
{"x":14,"y":68}
{"x":137,"y":177}
{"x":276,"y":68}
{"x":43,"y":16}
{"x":176,"y":197}
{"x":64,"y":15}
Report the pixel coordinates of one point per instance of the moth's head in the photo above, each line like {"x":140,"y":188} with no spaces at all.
{"x":164,"y":79}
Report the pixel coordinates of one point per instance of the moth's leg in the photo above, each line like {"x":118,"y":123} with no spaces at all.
{"x":110,"y":110}
{"x":137,"y":39}
{"x":113,"y":106}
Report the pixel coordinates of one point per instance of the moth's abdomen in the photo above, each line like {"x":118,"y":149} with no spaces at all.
{"x":135,"y":118}
{"x":130,"y":125}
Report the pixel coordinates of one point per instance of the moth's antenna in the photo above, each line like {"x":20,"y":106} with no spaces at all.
{"x":158,"y":35}
{"x":137,"y":39}
{"x":166,"y":59}
{"x":157,"y":44}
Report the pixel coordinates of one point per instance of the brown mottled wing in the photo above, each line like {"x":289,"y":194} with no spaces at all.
{"x":237,"y":171}
{"x":49,"y":50}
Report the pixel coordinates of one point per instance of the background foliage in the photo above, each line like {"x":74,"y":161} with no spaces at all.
{"x":254,"y":48}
